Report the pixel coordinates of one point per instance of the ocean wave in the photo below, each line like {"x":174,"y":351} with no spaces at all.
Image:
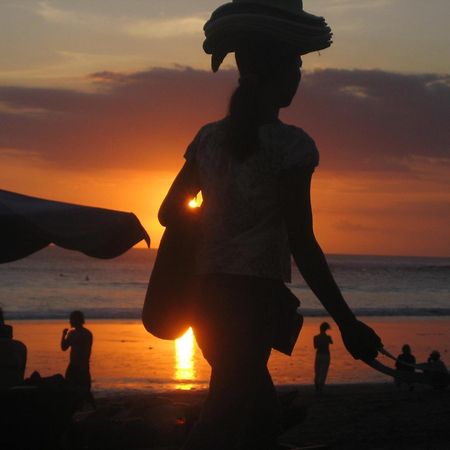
{"x":135,"y":314}
{"x":385,"y":312}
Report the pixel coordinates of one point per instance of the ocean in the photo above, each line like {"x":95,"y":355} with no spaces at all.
{"x":52,"y":282}
{"x":405,"y":299}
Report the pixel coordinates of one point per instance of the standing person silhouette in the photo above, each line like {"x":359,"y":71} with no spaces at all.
{"x":254,"y":172}
{"x":322,"y":343}
{"x":405,"y":357}
{"x":79,"y":340}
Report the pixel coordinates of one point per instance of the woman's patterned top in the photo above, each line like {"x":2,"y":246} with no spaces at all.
{"x":242,"y":228}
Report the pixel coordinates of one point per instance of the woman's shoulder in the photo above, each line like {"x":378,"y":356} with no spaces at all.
{"x":203,"y":137}
{"x":291,"y":131}
{"x":211,"y":128}
{"x":295,"y":146}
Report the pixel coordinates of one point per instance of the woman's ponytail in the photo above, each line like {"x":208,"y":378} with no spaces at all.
{"x":242,"y":131}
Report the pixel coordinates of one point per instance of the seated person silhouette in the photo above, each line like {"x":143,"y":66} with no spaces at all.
{"x":6,"y":330}
{"x":13,"y":357}
{"x":405,"y":357}
{"x":79,"y":340}
{"x":437,"y":371}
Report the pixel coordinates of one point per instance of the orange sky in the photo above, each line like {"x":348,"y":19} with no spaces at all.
{"x":110,"y":130}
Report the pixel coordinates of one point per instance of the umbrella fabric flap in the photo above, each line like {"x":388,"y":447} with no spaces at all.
{"x":28,"y":224}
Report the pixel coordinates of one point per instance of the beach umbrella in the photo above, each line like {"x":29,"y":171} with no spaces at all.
{"x":28,"y":224}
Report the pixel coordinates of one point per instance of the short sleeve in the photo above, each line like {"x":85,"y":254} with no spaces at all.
{"x":299,"y":151}
{"x":191,"y":153}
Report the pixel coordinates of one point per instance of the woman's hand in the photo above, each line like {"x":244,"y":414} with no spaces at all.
{"x":360,"y":340}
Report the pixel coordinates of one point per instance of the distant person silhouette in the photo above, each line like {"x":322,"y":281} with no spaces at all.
{"x":437,"y":371}
{"x":79,"y":340}
{"x":13,"y":356}
{"x":6,"y":330}
{"x":405,"y":357}
{"x":254,"y":173}
{"x":322,"y":344}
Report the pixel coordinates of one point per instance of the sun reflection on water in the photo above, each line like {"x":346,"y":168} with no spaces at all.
{"x":184,"y":351}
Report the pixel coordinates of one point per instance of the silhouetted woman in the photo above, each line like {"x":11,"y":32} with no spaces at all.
{"x":322,"y":343}
{"x":254,"y":173}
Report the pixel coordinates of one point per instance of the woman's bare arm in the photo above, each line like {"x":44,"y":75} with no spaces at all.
{"x":183,"y":189}
{"x":65,"y":342}
{"x":360,"y":340}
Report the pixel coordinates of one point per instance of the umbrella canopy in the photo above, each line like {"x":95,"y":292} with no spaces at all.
{"x":28,"y":224}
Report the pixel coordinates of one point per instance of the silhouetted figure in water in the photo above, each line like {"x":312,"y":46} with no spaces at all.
{"x":79,"y":340}
{"x":322,"y":344}
{"x":254,"y":173}
{"x":13,"y":356}
{"x":405,"y":363}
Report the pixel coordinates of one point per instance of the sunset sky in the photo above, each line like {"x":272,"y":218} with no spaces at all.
{"x":99,"y":99}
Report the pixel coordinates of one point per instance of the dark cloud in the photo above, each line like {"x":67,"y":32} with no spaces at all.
{"x":361,"y":120}
{"x":375,"y":120}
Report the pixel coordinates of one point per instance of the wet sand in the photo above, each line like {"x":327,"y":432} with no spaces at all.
{"x":354,"y":416}
{"x":126,"y":358}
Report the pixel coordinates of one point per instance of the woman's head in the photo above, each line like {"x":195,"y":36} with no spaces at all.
{"x":269,"y":78}
{"x":324,"y":326}
{"x":273,"y":68}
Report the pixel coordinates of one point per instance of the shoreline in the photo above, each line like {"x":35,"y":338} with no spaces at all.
{"x":126,"y":357}
{"x":308,"y":313}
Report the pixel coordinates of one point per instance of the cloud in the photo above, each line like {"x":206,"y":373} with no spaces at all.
{"x":53,"y":14}
{"x":366,"y":121}
{"x":165,"y":28}
{"x":369,"y":120}
{"x":56,"y":15}
{"x":148,"y":28}
{"x":352,"y":4}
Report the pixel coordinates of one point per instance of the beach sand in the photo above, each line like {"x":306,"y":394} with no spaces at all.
{"x":354,"y":416}
{"x":149,"y":391}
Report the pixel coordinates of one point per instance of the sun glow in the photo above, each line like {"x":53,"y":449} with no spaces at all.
{"x":193,"y":203}
{"x":196,"y":201}
{"x":184,"y":371}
